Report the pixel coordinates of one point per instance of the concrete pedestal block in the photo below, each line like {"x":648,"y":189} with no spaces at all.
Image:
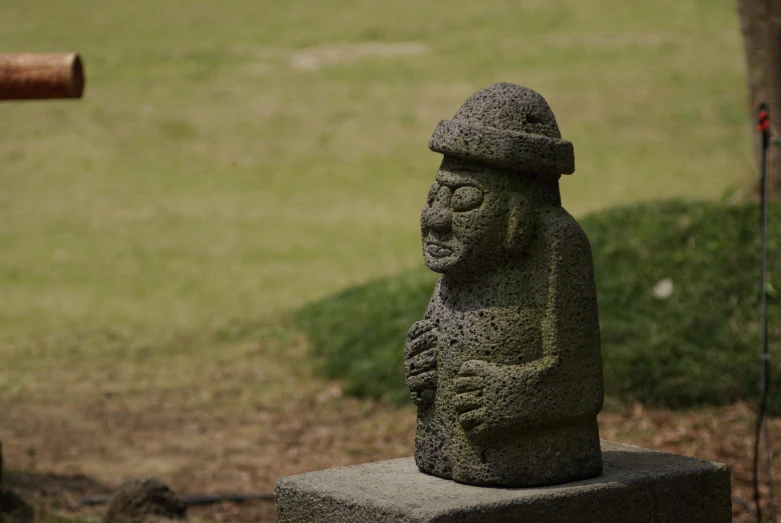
{"x":636,"y":486}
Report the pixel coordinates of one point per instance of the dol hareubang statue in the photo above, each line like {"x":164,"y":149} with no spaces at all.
{"x":505,"y":366}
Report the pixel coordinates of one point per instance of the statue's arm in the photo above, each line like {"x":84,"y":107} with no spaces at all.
{"x":420,"y":356}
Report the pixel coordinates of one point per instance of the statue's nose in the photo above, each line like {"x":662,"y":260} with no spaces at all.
{"x":439,"y":218}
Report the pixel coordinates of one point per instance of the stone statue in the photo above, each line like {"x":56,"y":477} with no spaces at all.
{"x":505,"y":366}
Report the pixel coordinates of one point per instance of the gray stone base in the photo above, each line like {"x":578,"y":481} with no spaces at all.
{"x":636,"y":486}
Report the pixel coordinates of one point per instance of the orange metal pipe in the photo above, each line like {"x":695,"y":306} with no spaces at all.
{"x":26,"y":76}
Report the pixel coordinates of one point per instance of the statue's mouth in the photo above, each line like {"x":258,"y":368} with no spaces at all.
{"x":438,"y":250}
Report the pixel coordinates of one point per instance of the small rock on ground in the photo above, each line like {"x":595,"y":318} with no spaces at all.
{"x":145,"y":501}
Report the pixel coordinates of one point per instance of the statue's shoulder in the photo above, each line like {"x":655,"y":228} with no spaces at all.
{"x":562,"y":233}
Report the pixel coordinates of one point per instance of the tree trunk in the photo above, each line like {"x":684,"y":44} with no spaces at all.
{"x":760,"y":23}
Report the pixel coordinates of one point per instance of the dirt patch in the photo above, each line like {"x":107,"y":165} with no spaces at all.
{"x":620,"y":40}
{"x":317,"y":57}
{"x":217,"y":451}
{"x":206,"y":451}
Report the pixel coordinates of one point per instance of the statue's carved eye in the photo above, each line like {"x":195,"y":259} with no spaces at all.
{"x":466,"y":198}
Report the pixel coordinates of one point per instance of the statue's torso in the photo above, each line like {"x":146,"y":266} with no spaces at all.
{"x":499,"y":334}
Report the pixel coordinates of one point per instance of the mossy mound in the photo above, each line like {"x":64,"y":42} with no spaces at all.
{"x":692,"y":343}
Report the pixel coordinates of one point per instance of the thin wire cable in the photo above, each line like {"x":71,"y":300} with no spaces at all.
{"x":766,"y":353}
{"x":769,"y":474}
{"x":745,"y":505}
{"x":764,"y":127}
{"x":766,"y":358}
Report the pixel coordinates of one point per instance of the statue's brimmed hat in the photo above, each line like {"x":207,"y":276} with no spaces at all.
{"x":509,"y":126}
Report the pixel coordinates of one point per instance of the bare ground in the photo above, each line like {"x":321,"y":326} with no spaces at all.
{"x":71,"y":451}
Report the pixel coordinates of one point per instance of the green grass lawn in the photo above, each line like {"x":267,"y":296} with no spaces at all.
{"x":233,"y":161}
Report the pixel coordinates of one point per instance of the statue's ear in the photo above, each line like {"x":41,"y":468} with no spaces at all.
{"x":520,"y":222}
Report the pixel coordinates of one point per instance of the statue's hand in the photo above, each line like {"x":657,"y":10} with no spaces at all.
{"x":420,"y":362}
{"x":474,"y":401}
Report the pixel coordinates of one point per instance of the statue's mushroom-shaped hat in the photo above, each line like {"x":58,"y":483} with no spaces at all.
{"x":509,"y":126}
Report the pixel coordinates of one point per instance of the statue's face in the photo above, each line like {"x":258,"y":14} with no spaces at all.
{"x":464,"y":223}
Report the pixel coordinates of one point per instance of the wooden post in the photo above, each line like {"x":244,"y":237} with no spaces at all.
{"x":25,"y":76}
